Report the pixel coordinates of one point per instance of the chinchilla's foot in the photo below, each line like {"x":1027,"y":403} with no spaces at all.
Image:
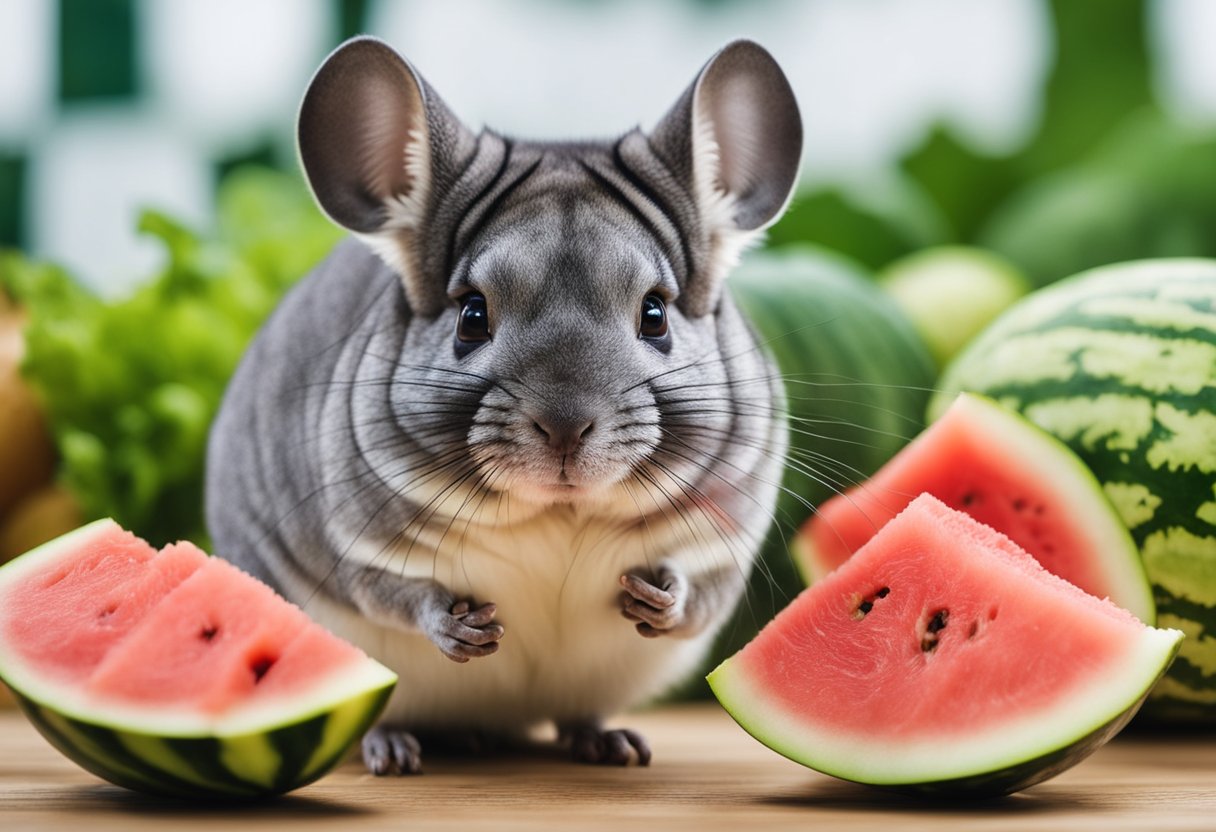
{"x":465,"y":632}
{"x":657,"y":606}
{"x":591,"y":743}
{"x":389,"y":749}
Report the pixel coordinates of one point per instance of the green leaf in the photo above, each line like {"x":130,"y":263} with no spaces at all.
{"x":873,"y":223}
{"x":966,"y":185}
{"x":1099,"y":79}
{"x":132,"y":384}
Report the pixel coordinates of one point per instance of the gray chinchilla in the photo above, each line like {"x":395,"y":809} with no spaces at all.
{"x":515,"y":440}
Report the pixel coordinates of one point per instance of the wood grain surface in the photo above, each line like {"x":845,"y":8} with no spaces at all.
{"x":707,"y":774}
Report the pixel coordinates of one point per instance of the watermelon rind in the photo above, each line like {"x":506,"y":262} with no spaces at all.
{"x":248,"y":752}
{"x":1119,"y":362}
{"x":1071,"y":488}
{"x":268,"y":760}
{"x":1014,"y":755}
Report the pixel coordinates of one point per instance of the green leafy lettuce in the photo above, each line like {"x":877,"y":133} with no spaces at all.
{"x":131,"y":385}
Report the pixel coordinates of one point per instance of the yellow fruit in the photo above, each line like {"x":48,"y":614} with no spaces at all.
{"x":27,"y":454}
{"x":39,"y":517}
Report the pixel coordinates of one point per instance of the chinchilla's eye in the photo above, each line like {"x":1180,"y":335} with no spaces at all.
{"x":654,"y":317}
{"x":473,"y":325}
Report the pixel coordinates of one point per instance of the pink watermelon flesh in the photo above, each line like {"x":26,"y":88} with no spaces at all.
{"x":953,"y":637}
{"x":941,"y":651}
{"x":174,"y":628}
{"x":963,"y":461}
{"x":65,"y":621}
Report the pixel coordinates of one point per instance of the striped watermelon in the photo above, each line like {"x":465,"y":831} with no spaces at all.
{"x":174,"y":673}
{"x":1120,"y":363}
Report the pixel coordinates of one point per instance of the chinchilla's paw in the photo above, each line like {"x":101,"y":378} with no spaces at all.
{"x":657,"y":606}
{"x":465,"y":632}
{"x":591,"y":743}
{"x":389,"y":749}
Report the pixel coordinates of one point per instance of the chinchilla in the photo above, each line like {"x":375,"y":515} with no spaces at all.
{"x":514,"y":439}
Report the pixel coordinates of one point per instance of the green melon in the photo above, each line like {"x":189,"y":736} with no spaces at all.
{"x":1120,"y":363}
{"x":174,"y":673}
{"x":950,"y":293}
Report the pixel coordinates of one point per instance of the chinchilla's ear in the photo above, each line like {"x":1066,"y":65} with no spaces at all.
{"x":734,"y":140}
{"x":375,"y":142}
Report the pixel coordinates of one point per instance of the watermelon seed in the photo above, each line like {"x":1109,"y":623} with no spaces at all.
{"x":107,"y":612}
{"x":969,"y":498}
{"x":973,"y":630}
{"x":992,"y":614}
{"x":208,"y":633}
{"x":1019,"y":504}
{"x":867,"y":604}
{"x":928,"y":642}
{"x":259,"y":667}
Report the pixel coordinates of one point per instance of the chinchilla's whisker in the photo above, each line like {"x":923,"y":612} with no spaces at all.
{"x":448,"y":416}
{"x":692,"y":460}
{"x":701,"y":361}
{"x":740,"y":566}
{"x":771,"y":583}
{"x":439,"y":460}
{"x":462,"y":470}
{"x":707,"y":411}
{"x":486,"y":380}
{"x":682,"y":511}
{"x":817,"y":398}
{"x":648,"y":542}
{"x":831,"y":479}
{"x":777,"y":408}
{"x":800,"y":460}
{"x":480,"y":494}
{"x":729,"y":537}
{"x":664,"y":509}
{"x":435,"y":385}
{"x":431,"y":511}
{"x":386,"y":549}
{"x":779,"y":516}
{"x":852,"y":383}
{"x":771,"y":513}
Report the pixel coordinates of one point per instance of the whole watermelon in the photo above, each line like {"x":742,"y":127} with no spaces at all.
{"x":857,"y":378}
{"x":1120,"y":363}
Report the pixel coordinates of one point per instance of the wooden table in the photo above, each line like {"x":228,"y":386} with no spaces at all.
{"x":707,"y":774}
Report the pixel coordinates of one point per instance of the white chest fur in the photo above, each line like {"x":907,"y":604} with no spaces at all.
{"x":567,"y":652}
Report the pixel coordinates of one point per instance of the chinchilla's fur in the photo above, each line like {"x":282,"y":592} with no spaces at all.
{"x":466,"y":435}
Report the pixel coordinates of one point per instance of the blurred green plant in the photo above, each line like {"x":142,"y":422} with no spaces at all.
{"x":1106,"y":177}
{"x":1146,"y":192}
{"x":131,"y":386}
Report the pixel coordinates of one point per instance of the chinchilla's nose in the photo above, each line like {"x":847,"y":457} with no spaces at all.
{"x":563,"y":431}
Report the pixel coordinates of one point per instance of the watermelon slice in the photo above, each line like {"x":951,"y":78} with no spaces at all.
{"x":941,"y":658}
{"x":1004,"y":471}
{"x":175,"y":673}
